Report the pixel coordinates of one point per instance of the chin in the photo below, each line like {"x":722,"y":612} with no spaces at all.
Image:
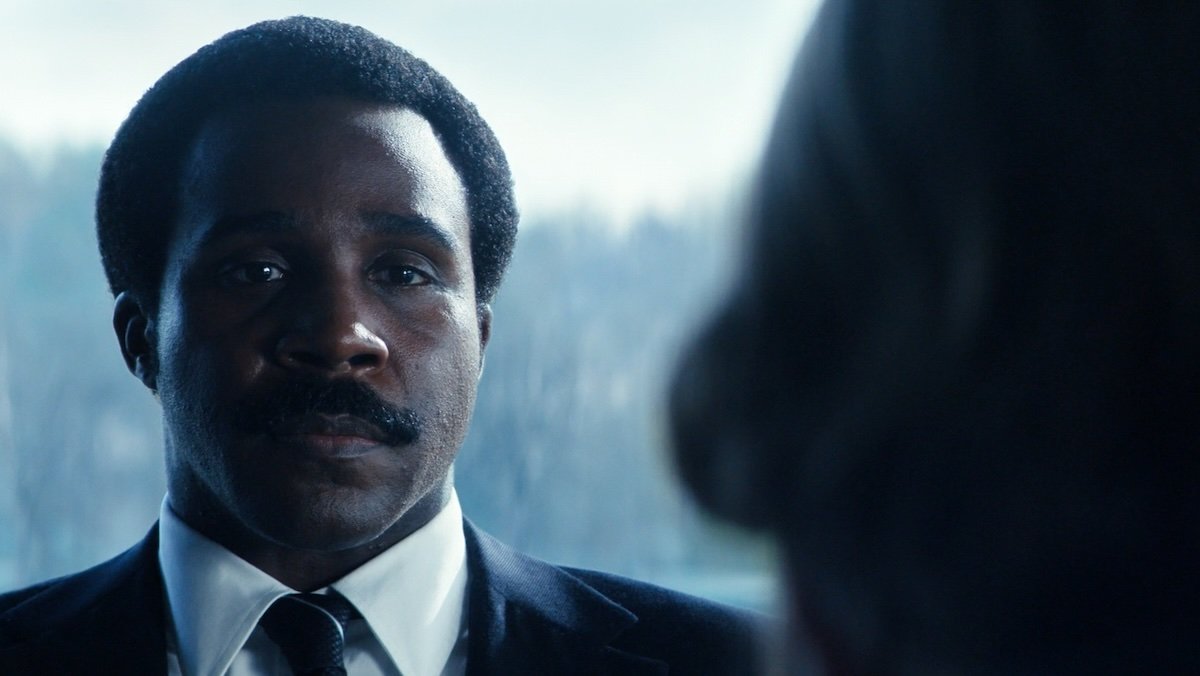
{"x":333,"y":521}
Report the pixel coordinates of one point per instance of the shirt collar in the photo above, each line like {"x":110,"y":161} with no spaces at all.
{"x":411,"y":595}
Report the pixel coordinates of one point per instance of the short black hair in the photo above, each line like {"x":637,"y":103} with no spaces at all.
{"x":295,"y":58}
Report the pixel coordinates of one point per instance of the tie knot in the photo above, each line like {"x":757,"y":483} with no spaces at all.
{"x":310,"y":630}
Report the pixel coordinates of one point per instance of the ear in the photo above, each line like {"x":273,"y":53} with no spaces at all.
{"x":135,"y":333}
{"x":484,"y":311}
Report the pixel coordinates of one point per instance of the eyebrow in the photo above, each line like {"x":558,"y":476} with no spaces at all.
{"x":264,"y":222}
{"x":277,"y":222}
{"x":410,"y":226}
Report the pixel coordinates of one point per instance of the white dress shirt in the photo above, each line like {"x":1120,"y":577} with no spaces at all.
{"x":412,"y":600}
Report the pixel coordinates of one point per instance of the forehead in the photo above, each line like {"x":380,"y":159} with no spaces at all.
{"x":321,"y":157}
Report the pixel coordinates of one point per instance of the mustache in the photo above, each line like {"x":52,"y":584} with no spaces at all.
{"x":270,"y":409}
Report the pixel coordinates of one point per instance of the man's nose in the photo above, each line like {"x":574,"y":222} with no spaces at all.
{"x":328,"y":335}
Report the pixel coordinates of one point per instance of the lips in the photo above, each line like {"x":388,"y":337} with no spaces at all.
{"x":325,"y":437}
{"x":317,"y":424}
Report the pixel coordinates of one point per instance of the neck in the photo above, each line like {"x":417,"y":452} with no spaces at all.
{"x":305,"y":569}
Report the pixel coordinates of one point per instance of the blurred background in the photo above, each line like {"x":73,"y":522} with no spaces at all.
{"x":631,"y":126}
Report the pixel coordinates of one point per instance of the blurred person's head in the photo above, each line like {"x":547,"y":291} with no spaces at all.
{"x":958,"y":375}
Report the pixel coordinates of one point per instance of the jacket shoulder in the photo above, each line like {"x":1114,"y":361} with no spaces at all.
{"x":692,"y":633}
{"x":13,"y":598}
{"x":69,"y":620}
{"x":22,"y":610}
{"x":532,"y":617}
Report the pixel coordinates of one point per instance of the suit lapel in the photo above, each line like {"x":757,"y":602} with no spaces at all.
{"x":108,"y":619}
{"x":529,"y":617}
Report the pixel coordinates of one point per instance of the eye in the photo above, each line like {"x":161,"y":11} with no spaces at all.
{"x":400,"y":275}
{"x":252,"y":272}
{"x":402,"y":268}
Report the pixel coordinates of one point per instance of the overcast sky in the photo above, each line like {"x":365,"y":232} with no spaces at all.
{"x":616,"y":106}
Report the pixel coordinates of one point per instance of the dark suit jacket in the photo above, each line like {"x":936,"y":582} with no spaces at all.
{"x":525,"y":617}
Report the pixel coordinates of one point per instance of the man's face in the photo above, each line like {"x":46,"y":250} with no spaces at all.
{"x":318,"y":342}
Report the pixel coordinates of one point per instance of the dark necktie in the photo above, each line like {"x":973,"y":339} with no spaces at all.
{"x":310,"y":630}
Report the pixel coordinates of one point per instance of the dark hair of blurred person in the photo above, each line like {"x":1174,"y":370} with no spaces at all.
{"x":958,"y":375}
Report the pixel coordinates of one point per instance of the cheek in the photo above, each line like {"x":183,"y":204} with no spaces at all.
{"x":203,"y":357}
{"x":442,"y":367}
{"x":443,"y":334}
